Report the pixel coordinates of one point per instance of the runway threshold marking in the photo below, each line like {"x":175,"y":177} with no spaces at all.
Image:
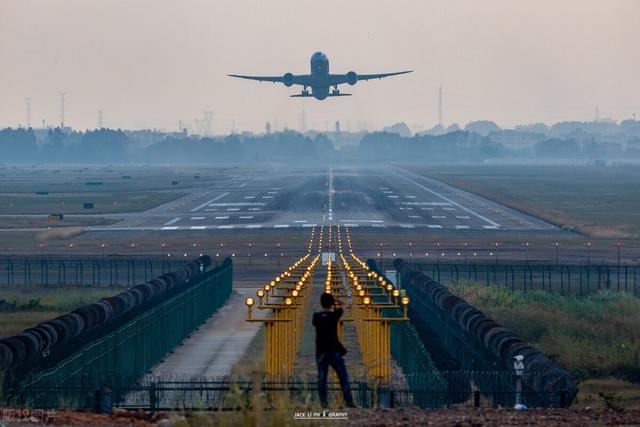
{"x":173,"y":221}
{"x":169,"y":228}
{"x":198,"y":227}
{"x":281,"y":226}
{"x":464,"y":208}
{"x":197,"y":208}
{"x":254,"y":225}
{"x":434,"y":226}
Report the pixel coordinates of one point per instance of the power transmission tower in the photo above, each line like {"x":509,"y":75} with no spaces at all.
{"x":62,"y":109}
{"x":208,"y":122}
{"x":28,"y":113}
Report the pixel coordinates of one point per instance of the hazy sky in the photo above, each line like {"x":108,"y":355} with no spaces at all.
{"x":150,"y":63}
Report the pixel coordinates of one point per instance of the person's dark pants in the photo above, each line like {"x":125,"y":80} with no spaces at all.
{"x":333,"y":359}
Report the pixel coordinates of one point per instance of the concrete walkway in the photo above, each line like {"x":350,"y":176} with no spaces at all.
{"x":212,"y":350}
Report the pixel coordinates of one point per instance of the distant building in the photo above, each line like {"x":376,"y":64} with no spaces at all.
{"x":516,"y":140}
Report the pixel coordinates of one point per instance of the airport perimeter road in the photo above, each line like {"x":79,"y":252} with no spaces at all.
{"x":359,"y":197}
{"x":213,"y":349}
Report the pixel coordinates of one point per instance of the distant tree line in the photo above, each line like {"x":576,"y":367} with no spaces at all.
{"x":114,"y":146}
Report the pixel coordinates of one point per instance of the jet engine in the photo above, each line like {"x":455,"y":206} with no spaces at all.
{"x":287,"y":79}
{"x":352,"y":78}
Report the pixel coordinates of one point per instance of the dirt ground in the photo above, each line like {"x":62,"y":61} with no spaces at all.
{"x":356,"y":417}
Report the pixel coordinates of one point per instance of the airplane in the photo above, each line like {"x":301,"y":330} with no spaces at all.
{"x":320,"y":80}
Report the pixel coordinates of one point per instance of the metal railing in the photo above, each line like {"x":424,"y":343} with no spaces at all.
{"x":230,"y":394}
{"x":122,"y":356}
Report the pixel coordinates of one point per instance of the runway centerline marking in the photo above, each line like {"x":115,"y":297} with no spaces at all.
{"x":471,"y":211}
{"x":210,"y":201}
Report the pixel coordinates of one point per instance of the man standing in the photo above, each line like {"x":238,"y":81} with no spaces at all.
{"x":329,"y":349}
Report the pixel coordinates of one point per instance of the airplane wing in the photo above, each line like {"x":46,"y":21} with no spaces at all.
{"x":337,"y":79}
{"x":287,"y":79}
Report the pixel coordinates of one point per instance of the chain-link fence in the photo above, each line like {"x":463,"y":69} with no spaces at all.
{"x":563,"y":279}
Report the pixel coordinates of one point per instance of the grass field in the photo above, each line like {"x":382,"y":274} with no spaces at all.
{"x":21,"y":309}
{"x":599,"y":202}
{"x":596,"y":338}
{"x":72,"y":203}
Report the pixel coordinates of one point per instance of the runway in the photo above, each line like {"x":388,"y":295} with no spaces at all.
{"x":278,"y":198}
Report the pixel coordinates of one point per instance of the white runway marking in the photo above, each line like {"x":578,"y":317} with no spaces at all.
{"x":426,"y":203}
{"x":249,"y":197}
{"x":225,"y":205}
{"x":407,"y":226}
{"x":197,"y":218}
{"x":434,"y":226}
{"x":462,"y":227}
{"x":388,"y":192}
{"x":254,"y":225}
{"x":267,"y":197}
{"x":352,"y":225}
{"x":438,"y":217}
{"x":393,"y":197}
{"x":169,"y":228}
{"x":242,"y":185}
{"x":233,"y":209}
{"x":309,"y":225}
{"x":415,"y":216}
{"x":410,"y":197}
{"x":272,"y":192}
{"x":300,"y":221}
{"x":484,"y":218}
{"x":210,"y":201}
{"x":255,"y":209}
{"x":246,"y":217}
{"x":463,"y":217}
{"x":448,"y":209}
{"x":173,"y":221}
{"x":225,"y":227}
{"x":490,"y":227}
{"x":379,"y":225}
{"x":281,"y":226}
{"x":197,"y":227}
{"x":222,"y":217}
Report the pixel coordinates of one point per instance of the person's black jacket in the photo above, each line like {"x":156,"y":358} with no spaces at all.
{"x":326,"y":324}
